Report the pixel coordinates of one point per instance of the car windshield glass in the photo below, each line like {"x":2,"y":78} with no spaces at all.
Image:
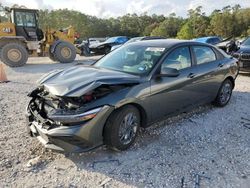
{"x":246,"y":42}
{"x":132,"y":58}
{"x":112,"y":39}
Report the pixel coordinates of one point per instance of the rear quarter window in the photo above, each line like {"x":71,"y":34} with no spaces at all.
{"x":204,"y":54}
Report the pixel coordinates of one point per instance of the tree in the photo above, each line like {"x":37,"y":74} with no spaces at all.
{"x":196,"y":25}
{"x":148,"y":29}
{"x":229,"y":21}
{"x":186,"y":31}
{"x":168,"y":28}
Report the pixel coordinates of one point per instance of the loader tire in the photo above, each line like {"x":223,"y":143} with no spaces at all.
{"x":52,"y":57}
{"x":14,"y":54}
{"x":65,"y":52}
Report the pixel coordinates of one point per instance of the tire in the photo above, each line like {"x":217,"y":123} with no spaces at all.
{"x":52,"y":57}
{"x":65,"y":52}
{"x":116,"y":136}
{"x":224,"y":94}
{"x":14,"y":54}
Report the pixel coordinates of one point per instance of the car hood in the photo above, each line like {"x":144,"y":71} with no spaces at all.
{"x":78,"y":80}
{"x":245,"y":49}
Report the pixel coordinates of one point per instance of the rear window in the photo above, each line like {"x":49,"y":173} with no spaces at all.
{"x":204,"y":54}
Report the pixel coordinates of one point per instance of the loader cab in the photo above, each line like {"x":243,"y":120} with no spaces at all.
{"x":26,"y":23}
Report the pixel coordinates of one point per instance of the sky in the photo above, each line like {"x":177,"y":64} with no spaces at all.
{"x":115,"y":8}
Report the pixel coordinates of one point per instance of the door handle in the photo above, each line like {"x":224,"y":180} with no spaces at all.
{"x":191,"y":75}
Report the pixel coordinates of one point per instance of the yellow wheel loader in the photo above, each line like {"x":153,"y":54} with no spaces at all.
{"x":21,"y":37}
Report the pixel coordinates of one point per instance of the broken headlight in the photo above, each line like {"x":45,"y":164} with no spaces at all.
{"x":74,"y":118}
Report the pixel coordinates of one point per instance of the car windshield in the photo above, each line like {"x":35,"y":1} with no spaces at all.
{"x":112,"y":39}
{"x":246,"y":42}
{"x":132,"y":58}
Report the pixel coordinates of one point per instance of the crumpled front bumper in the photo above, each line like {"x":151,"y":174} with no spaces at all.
{"x":76,"y":138}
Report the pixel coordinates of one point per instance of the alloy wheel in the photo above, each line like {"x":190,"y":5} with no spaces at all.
{"x":128,"y":128}
{"x":226,"y":92}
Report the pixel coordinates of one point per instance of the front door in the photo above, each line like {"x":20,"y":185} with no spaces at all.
{"x":172,"y":94}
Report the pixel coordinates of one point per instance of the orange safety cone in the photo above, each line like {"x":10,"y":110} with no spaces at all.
{"x":3,"y":77}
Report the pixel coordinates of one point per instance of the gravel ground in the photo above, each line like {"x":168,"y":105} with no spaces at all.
{"x":210,"y":144}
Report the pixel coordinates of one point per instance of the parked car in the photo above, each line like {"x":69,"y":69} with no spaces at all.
{"x":243,"y":55}
{"x":135,"y":39}
{"x":83,"y":107}
{"x":210,"y":40}
{"x":105,"y":47}
{"x":84,"y":46}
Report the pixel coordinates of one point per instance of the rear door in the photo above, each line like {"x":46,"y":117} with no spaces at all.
{"x":208,"y":72}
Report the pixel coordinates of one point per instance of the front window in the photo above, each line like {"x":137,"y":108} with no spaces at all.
{"x":132,"y":58}
{"x":25,"y":19}
{"x":178,"y":59}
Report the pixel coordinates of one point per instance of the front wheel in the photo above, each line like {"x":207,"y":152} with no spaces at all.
{"x":224,"y":94}
{"x":65,"y":52}
{"x":122,"y":127}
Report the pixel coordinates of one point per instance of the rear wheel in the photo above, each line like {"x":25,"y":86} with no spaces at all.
{"x":14,"y":54}
{"x":65,"y":52}
{"x":224,"y":94}
{"x":121,"y":128}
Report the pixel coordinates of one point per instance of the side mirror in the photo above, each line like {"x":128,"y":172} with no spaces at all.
{"x":169,"y":72}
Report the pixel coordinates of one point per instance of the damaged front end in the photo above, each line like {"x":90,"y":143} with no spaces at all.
{"x":68,"y":110}
{"x":70,"y":124}
{"x":65,"y":123}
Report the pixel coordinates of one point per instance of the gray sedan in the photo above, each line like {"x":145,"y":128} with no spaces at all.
{"x":83,"y":107}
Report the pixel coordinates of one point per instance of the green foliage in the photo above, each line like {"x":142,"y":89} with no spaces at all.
{"x":168,"y":28}
{"x":229,"y":21}
{"x":195,"y":26}
{"x":186,"y":31}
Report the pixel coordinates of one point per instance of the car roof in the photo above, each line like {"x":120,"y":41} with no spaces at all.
{"x":166,"y":43}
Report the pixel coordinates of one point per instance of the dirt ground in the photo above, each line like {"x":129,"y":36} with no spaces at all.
{"x":209,"y":144}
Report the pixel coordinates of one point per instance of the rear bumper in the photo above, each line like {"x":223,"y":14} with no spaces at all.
{"x":77,"y":138}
